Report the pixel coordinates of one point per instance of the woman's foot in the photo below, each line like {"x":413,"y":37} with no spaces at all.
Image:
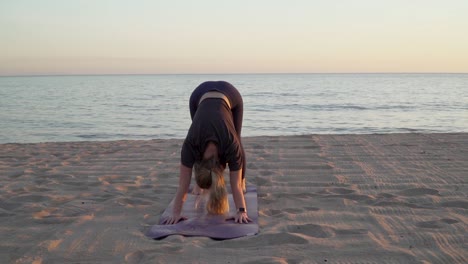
{"x":197,"y":190}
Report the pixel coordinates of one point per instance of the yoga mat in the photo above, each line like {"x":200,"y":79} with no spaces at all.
{"x":200,"y":223}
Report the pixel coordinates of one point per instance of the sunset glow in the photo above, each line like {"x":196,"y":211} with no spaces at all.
{"x":152,"y":37}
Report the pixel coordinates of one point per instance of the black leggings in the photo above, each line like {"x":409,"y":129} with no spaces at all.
{"x":235,"y":99}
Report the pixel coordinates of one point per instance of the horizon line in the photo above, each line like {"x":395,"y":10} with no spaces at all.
{"x":240,"y":73}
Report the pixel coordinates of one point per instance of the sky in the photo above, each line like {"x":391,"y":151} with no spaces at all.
{"x":224,"y":36}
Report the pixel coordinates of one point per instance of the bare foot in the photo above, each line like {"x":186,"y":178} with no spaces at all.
{"x":197,"y":190}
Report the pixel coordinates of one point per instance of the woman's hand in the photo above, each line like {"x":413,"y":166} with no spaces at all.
{"x":242,"y":218}
{"x":174,"y":220}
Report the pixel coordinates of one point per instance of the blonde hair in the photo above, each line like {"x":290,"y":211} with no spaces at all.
{"x":209,"y":175}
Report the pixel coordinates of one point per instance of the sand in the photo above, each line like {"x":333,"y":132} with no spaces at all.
{"x":396,"y":198}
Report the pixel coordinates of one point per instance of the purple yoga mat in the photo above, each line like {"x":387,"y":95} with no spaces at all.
{"x":199,"y":223}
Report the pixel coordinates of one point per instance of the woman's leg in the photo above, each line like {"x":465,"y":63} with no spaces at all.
{"x":237,"y":109}
{"x":194,"y":99}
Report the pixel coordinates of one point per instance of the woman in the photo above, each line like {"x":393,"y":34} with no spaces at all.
{"x":213,"y":140}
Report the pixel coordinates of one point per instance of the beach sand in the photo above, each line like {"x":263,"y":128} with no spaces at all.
{"x":395,"y":198}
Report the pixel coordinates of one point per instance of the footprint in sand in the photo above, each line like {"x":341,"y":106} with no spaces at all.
{"x":346,"y":194}
{"x":270,"y":260}
{"x":312,"y":230}
{"x":336,"y":191}
{"x":277,"y":239}
{"x":319,"y":231}
{"x":455,"y":204}
{"x":263,"y":166}
{"x":293,"y":210}
{"x":272,"y":212}
{"x":262,"y":181}
{"x":133,"y":202}
{"x":436,"y":223}
{"x":8,"y":206}
{"x":30,"y":198}
{"x":311,"y":208}
{"x":15,"y":173}
{"x":134,"y":257}
{"x":341,"y":191}
{"x":385,"y":196}
{"x":4,"y":213}
{"x":351,"y":232}
{"x":265,"y":172}
{"x":419,"y":192}
{"x":257,"y":146}
{"x":400,"y":204}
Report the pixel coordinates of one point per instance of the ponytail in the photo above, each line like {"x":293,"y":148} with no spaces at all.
{"x":218,"y":202}
{"x":209,"y":175}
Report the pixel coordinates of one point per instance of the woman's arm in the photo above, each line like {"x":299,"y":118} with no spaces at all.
{"x":184,"y":183}
{"x":238,"y":195}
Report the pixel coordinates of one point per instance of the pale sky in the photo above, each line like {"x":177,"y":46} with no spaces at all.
{"x":226,"y":36}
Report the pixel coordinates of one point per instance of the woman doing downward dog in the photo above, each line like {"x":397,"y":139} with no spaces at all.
{"x":213,"y":140}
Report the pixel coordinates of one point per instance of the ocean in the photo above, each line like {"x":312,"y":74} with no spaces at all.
{"x":115,"y":107}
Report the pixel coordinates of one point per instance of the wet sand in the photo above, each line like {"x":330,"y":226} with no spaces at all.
{"x":395,"y":198}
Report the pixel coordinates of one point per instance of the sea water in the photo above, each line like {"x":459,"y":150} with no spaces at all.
{"x":114,"y":107}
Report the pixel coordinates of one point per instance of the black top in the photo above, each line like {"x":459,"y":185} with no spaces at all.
{"x":213,"y":121}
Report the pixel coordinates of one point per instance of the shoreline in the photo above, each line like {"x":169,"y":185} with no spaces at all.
{"x":243,"y":137}
{"x":380,"y":198}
